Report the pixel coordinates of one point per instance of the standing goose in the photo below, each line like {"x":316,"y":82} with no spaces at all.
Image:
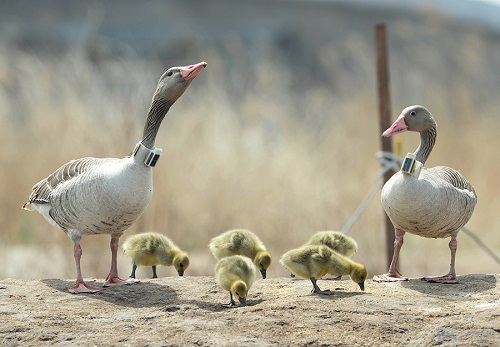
{"x":107,"y":195}
{"x":430,"y":202}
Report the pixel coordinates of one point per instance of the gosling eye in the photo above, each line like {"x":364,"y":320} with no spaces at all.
{"x":261,"y":265}
{"x":170,"y":73}
{"x":413,"y":113}
{"x":181,"y":265}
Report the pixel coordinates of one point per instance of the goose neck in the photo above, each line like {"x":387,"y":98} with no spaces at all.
{"x":427,"y":141}
{"x":157,"y":112}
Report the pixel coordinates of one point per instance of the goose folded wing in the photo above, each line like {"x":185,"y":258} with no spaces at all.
{"x":454,"y":177}
{"x":42,"y":190}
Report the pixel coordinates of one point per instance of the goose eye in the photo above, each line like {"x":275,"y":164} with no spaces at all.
{"x":169,"y":73}
{"x":413,"y":113}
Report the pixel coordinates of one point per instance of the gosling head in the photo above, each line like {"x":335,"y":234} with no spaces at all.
{"x":239,"y":291}
{"x":359,"y":274}
{"x":262,"y":261}
{"x":181,"y":263}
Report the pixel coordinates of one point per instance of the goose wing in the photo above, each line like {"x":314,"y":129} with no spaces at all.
{"x":454,"y":177}
{"x":42,"y":190}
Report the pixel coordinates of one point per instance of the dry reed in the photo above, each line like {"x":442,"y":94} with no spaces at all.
{"x":245,"y":147}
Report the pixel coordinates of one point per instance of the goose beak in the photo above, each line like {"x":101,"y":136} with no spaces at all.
{"x":397,"y":127}
{"x":243,"y":301}
{"x":263,"y":273}
{"x":180,"y":272}
{"x":361,"y":285}
{"x":191,"y":71}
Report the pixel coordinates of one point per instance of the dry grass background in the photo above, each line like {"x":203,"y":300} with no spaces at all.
{"x":254,"y":143}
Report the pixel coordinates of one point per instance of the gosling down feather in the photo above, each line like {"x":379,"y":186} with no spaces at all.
{"x":314,"y":262}
{"x":106,"y":195}
{"x":236,"y":274}
{"x":437,"y":203}
{"x":241,"y":242}
{"x":336,"y":241}
{"x":152,"y":249}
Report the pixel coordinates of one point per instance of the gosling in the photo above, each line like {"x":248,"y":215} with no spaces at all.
{"x":314,"y":262}
{"x":336,"y":241}
{"x":241,"y":242}
{"x":152,"y":249}
{"x":235,"y":274}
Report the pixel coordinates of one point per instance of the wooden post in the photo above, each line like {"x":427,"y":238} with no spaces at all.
{"x":385,"y":117}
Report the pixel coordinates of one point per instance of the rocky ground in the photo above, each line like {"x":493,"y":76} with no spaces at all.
{"x":187,"y":311}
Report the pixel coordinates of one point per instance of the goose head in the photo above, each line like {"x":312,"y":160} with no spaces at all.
{"x":175,"y":81}
{"x":181,"y":263}
{"x":239,"y":291}
{"x":359,"y":274}
{"x":413,"y":118}
{"x":262,"y":261}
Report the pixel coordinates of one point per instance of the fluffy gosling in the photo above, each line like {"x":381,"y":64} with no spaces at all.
{"x":336,"y":241}
{"x":152,"y":249}
{"x":314,"y":262}
{"x":241,"y":242}
{"x":235,"y":274}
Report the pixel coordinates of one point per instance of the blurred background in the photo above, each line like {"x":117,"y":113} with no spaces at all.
{"x":278,"y":134}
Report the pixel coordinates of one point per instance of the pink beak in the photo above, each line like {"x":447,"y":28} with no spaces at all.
{"x":191,"y":71}
{"x":397,"y":127}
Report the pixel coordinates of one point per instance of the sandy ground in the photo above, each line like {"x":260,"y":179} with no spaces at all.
{"x":187,"y":311}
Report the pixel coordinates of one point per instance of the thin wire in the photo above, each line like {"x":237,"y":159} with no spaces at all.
{"x":481,"y":244}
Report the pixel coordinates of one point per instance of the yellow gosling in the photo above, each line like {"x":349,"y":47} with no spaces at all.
{"x":235,"y":274}
{"x":336,"y":241}
{"x":241,"y":242}
{"x":152,"y":249}
{"x":314,"y":262}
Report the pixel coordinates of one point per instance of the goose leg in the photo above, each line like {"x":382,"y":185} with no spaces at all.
{"x":81,"y":286}
{"x":113,"y":274}
{"x":316,"y":289}
{"x":393,"y":275}
{"x":449,"y":278}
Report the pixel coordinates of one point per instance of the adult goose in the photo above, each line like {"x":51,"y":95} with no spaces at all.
{"x":430,"y":202}
{"x":107,"y":195}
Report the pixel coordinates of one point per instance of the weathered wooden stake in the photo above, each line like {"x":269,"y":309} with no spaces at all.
{"x":384,"y":107}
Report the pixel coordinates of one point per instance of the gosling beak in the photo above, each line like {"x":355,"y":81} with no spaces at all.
{"x":361,"y":285}
{"x":243,"y":301}
{"x":180,"y":272}
{"x":263,"y":273}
